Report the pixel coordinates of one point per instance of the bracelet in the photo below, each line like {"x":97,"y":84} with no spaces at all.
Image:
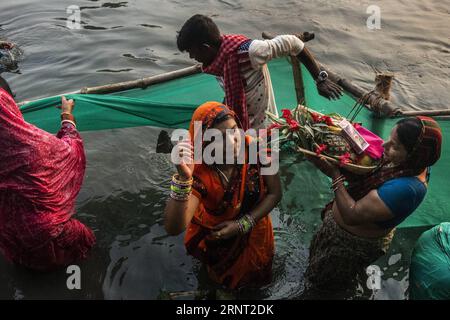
{"x":251,"y":219}
{"x":179,"y":197}
{"x":337,"y":183}
{"x":335,"y":188}
{"x":180,"y":190}
{"x":180,"y":186}
{"x":338,"y":180}
{"x":177,"y":189}
{"x":69,"y":121}
{"x":245,"y":224}
{"x":176,"y":180}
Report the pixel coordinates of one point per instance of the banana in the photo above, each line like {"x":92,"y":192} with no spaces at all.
{"x":366,"y":161}
{"x":335,"y":129}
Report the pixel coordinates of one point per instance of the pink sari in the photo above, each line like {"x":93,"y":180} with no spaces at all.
{"x":40,"y":177}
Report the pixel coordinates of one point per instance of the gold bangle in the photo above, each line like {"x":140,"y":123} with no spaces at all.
{"x":176,"y":177}
{"x":339,"y":179}
{"x":336,"y":187}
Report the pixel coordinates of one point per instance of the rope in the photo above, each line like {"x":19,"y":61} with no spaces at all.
{"x":375,"y":106}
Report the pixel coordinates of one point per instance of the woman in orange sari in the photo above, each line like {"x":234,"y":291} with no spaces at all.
{"x":224,"y":208}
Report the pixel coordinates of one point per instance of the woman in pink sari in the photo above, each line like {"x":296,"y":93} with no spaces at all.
{"x":40,"y":177}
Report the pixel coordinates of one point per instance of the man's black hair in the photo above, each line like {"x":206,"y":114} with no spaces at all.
{"x":197,"y":30}
{"x":4,"y":85}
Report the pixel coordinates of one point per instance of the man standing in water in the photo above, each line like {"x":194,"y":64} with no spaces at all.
{"x":241,"y":66}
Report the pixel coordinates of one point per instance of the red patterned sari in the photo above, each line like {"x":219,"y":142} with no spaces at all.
{"x":40,"y":177}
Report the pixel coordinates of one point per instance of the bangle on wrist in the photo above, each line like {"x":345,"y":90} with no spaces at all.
{"x":179,"y":197}
{"x":177,"y":180}
{"x":180,"y":190}
{"x":69,"y":121}
{"x":246,"y":224}
{"x":336,"y":188}
{"x":337,"y":183}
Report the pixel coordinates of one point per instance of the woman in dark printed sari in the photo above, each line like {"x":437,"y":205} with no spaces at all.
{"x":359,"y":224}
{"x":224,"y":208}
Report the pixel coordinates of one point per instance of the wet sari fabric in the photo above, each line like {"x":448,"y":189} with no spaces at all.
{"x":40,"y":177}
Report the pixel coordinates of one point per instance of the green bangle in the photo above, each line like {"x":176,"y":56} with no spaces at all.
{"x":245,"y":225}
{"x":180,"y":190}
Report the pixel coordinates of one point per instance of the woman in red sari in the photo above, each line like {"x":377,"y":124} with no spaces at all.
{"x":40,"y":177}
{"x":224,"y":208}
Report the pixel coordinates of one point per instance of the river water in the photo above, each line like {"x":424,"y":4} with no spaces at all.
{"x":126,"y":180}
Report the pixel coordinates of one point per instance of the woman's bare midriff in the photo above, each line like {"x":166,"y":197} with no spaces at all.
{"x":364,"y":231}
{"x":367,"y":230}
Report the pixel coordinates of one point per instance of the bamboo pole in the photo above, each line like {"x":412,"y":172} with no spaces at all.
{"x":139,"y":83}
{"x":144,"y":82}
{"x":296,"y":70}
{"x":387,"y":107}
{"x":376,"y":103}
{"x":298,"y":80}
{"x":430,"y":113}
